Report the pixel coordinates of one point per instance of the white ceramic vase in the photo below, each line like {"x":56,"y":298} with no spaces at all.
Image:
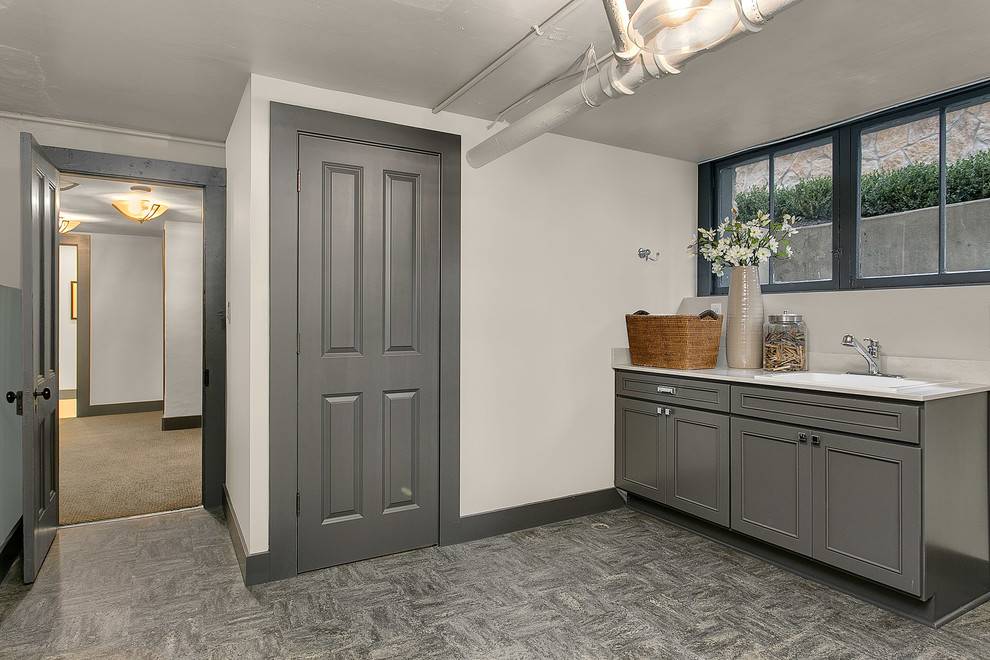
{"x":744,"y":319}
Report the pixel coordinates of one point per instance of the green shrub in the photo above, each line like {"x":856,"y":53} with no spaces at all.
{"x":913,"y":186}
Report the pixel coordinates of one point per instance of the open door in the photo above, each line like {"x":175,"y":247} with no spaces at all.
{"x":39,"y":342}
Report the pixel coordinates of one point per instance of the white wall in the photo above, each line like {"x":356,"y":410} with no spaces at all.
{"x":239,"y":200}
{"x":549,"y":233}
{"x":183,"y":319}
{"x":126,"y":319}
{"x":66,"y":324}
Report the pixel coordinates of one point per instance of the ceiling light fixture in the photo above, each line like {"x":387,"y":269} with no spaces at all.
{"x":678,"y":27}
{"x":139,"y":209}
{"x":65,"y":225}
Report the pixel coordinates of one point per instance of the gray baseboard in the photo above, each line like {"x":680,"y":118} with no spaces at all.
{"x":119,"y":408}
{"x":504,"y":521}
{"x":11,"y":548}
{"x":178,"y":423}
{"x":254,"y":567}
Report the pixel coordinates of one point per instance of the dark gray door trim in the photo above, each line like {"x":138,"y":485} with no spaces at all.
{"x":213,"y":181}
{"x":287,"y":123}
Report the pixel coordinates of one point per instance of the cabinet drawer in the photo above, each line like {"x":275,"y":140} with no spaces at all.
{"x":879,"y":419}
{"x":673,"y":389}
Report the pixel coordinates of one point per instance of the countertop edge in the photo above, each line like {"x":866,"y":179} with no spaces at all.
{"x":748,"y":377}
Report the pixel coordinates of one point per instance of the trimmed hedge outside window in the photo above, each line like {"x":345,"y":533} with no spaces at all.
{"x":907,"y":202}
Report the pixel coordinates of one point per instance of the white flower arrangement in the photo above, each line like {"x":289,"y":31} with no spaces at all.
{"x":735,"y":243}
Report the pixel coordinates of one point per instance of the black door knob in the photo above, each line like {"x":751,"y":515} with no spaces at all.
{"x":11,"y":397}
{"x":44,"y":394}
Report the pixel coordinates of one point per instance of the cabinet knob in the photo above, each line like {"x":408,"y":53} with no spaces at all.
{"x":816,"y":439}
{"x":802,"y":437}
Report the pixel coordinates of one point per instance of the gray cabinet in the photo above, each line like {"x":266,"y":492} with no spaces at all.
{"x":771,"y":483}
{"x":640,"y":448}
{"x":866,"y":508}
{"x":671,"y":453}
{"x":849,"y":502}
{"x":880,"y":497}
{"x":698,"y":463}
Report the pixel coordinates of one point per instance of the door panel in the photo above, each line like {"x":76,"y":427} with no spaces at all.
{"x":867,"y":507}
{"x":368,"y":366}
{"x":771,"y":484}
{"x":698,"y":464}
{"x":641,"y":448}
{"x":39,"y":275}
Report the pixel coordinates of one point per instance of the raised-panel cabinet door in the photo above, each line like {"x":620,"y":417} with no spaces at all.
{"x":867,"y":508}
{"x":698,"y":464}
{"x":641,"y":448}
{"x":771,"y":483}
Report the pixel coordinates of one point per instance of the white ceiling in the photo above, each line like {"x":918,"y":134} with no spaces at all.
{"x":89,"y":199}
{"x":179,"y":67}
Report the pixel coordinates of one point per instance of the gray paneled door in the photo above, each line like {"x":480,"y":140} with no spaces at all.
{"x":39,"y":318}
{"x":368,"y":315}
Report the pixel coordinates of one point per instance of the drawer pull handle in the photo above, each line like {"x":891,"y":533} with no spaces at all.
{"x":663,"y":389}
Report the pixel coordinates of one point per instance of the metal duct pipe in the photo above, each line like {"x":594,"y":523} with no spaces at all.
{"x":618,"y":20}
{"x":617,"y":78}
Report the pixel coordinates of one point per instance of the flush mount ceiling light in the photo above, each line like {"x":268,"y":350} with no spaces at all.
{"x":679,"y":27}
{"x":139,"y":209}
{"x":65,"y":225}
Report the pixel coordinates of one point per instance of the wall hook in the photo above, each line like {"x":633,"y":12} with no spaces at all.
{"x":644,"y":253}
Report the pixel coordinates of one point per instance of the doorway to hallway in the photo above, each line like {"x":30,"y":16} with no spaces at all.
{"x":130,"y":347}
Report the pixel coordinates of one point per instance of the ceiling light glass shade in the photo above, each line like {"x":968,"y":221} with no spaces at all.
{"x":65,"y":225}
{"x":678,"y":27}
{"x":141,"y":210}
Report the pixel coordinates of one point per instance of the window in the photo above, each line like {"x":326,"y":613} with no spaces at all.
{"x":900,"y":198}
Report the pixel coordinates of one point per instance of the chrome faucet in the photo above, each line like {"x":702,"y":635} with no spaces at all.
{"x":871,"y":354}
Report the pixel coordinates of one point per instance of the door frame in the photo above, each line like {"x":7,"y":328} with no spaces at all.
{"x":213,"y":182}
{"x":287,"y":123}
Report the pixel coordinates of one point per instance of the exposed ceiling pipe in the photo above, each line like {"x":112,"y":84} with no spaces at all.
{"x":534,"y":31}
{"x":616,"y":79}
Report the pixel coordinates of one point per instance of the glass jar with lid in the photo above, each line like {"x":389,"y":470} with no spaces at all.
{"x":785,"y":343}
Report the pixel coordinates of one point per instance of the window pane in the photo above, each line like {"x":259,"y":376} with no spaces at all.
{"x":967,"y":195}
{"x":802,"y":187}
{"x":899,"y":198}
{"x":747,"y":187}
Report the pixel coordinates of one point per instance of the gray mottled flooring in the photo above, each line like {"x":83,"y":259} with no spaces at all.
{"x":614,"y":585}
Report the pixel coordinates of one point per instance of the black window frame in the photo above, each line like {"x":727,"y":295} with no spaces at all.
{"x":845,"y":197}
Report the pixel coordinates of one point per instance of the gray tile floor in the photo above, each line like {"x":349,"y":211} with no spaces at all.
{"x":614,"y":585}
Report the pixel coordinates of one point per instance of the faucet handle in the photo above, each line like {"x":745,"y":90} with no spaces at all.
{"x":872,"y":346}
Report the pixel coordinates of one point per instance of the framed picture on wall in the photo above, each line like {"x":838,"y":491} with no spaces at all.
{"x":72,"y":300}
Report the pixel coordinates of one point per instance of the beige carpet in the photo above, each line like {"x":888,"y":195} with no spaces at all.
{"x":113,"y":466}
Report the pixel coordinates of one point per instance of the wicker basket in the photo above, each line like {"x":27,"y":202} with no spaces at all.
{"x":673,"y":341}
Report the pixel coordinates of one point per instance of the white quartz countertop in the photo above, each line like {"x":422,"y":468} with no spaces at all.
{"x":940,"y":390}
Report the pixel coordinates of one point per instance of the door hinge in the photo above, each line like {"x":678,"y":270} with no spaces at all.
{"x":298,"y":503}
{"x":298,"y":180}
{"x":298,"y":343}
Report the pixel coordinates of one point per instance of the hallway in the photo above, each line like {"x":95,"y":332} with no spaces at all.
{"x":613,"y":585}
{"x":114,"y":466}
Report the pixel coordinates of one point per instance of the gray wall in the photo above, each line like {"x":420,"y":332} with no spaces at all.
{"x":10,"y":423}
